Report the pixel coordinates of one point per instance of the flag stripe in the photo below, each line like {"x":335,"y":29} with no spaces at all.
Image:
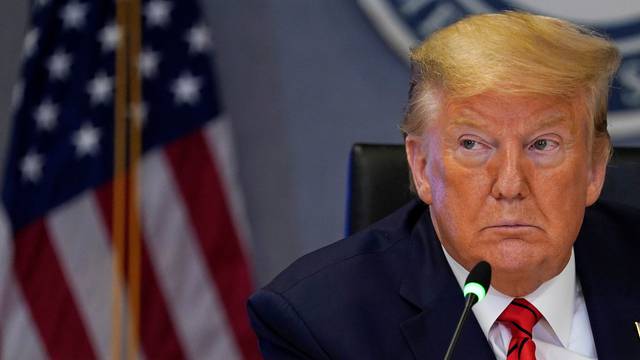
{"x":20,"y":338}
{"x":219,"y":136}
{"x":80,"y":240}
{"x":193,"y":300}
{"x":199,"y":183}
{"x":46,"y":291}
{"x":158,"y":336}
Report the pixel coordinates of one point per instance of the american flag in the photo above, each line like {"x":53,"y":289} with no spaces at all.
{"x":56,"y":290}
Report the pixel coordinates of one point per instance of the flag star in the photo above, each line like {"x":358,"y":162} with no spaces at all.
{"x":74,"y":15}
{"x":100,"y":89}
{"x":157,"y":13}
{"x":198,"y":38}
{"x":59,"y":64}
{"x":148,"y":61}
{"x":110,"y":37}
{"x":31,"y":42}
{"x":186,"y":89}
{"x":46,"y":115}
{"x":31,"y":167}
{"x":86,"y":140}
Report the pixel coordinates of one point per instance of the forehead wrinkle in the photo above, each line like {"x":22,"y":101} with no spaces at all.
{"x":544,"y":118}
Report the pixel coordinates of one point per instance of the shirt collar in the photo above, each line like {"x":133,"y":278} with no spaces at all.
{"x":554,"y":299}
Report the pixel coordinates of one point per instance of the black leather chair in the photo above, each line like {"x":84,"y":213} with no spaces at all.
{"x":379,"y":182}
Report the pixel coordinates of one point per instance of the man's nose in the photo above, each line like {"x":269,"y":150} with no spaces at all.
{"x":510,"y":182}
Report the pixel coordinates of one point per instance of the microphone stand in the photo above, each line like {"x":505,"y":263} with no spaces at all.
{"x":472,"y":299}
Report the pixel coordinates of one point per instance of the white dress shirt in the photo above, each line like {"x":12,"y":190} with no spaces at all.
{"x":563,"y":332}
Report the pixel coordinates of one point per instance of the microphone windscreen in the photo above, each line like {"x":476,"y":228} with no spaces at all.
{"x":479,"y":280}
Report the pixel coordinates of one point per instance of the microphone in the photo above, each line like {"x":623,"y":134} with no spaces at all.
{"x":475,"y":289}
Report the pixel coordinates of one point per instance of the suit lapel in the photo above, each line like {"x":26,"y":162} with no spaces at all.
{"x":429,"y":334}
{"x":431,"y":288}
{"x":605,"y":270}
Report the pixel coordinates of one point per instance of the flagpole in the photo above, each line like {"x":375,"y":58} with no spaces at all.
{"x":135,"y":151}
{"x":119,"y":178}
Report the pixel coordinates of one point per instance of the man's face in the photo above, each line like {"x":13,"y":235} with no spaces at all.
{"x":507,"y":179}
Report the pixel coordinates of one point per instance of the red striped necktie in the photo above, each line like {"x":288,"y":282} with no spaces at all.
{"x":520,"y":316}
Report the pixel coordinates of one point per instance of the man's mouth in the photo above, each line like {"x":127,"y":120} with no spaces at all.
{"x":511,"y":225}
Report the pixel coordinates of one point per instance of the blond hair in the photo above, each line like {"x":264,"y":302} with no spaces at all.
{"x":513,"y":53}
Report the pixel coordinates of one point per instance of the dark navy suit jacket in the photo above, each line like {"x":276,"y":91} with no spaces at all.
{"x":389,"y":293}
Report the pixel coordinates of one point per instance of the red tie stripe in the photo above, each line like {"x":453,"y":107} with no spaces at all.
{"x":520,"y":316}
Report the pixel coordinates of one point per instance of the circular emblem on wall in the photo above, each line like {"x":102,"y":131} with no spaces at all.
{"x":404,"y":23}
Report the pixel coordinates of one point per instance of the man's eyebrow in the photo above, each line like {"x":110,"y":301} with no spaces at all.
{"x":468,"y":117}
{"x":553,"y":119}
{"x":475,"y":121}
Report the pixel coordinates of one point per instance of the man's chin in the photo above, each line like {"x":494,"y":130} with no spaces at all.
{"x":517,"y":277}
{"x":516,"y":257}
{"x":518,"y":270}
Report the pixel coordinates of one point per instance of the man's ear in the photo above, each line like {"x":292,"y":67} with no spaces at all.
{"x":597,"y":174}
{"x":417,"y":159}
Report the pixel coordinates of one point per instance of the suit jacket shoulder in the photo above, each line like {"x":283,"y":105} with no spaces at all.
{"x":383,"y":293}
{"x":311,"y":309}
{"x":360,"y":250}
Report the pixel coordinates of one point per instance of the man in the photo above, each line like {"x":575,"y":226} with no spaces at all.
{"x":507,"y":142}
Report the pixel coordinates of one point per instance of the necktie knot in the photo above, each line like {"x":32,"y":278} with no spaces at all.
{"x":520,"y":316}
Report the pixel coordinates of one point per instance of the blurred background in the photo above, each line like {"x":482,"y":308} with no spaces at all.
{"x":299,"y":81}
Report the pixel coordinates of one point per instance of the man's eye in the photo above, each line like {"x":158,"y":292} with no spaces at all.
{"x":468,"y":144}
{"x":540,"y":144}
{"x":544,"y":145}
